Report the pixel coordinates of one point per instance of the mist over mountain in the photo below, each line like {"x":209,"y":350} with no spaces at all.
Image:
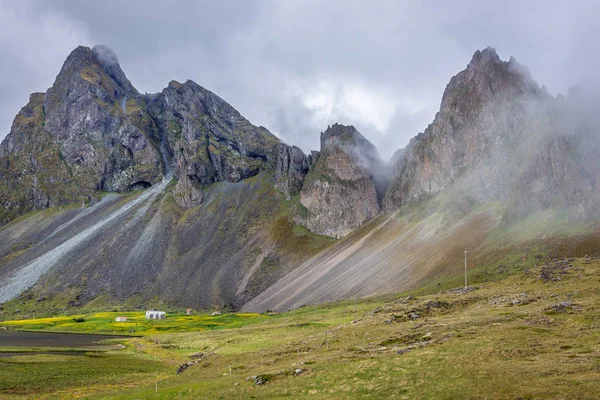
{"x":109,"y":195}
{"x":500,"y":137}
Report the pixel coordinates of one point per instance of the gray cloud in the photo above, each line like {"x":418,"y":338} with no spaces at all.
{"x":106,"y":55}
{"x":298,"y":66}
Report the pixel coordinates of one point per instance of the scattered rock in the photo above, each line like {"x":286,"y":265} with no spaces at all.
{"x":414,"y":315}
{"x":374,"y":311}
{"x":404,"y":351}
{"x":437,"y":304}
{"x":264,"y":378}
{"x":260,"y":379}
{"x":562,"y":306}
{"x":185,"y":366}
{"x":551,"y":272}
{"x":445,"y":338}
{"x":460,"y":290}
{"x":199,"y":355}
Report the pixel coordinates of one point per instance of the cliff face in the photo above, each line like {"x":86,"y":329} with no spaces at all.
{"x":292,"y":167}
{"x":498,"y":137}
{"x":206,"y":140}
{"x":340,"y":192}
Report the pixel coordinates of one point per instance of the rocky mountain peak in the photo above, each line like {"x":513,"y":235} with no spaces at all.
{"x":499,"y":137}
{"x":341,"y":189}
{"x":109,"y":62}
{"x":484,"y":56}
{"x":486,"y":79}
{"x":347,"y":139}
{"x":98,"y":66}
{"x":338,"y":134}
{"x":337,"y":130}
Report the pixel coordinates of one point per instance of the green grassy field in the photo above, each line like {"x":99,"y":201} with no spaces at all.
{"x":507,"y":339}
{"x":136,"y":324}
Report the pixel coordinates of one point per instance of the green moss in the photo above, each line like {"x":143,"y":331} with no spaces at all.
{"x":90,"y":75}
{"x":133,"y":107}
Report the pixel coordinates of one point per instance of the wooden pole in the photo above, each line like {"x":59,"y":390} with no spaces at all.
{"x":465,"y":268}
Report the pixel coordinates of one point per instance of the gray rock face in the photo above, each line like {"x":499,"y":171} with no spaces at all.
{"x":187,"y":193}
{"x":207,"y":139}
{"x":90,"y":131}
{"x":292,"y":167}
{"x":98,"y":117}
{"x":339,"y":193}
{"x":498,"y":137}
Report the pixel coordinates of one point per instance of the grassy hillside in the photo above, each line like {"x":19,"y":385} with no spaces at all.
{"x":531,"y":335}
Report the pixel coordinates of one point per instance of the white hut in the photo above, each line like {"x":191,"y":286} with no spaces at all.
{"x":121,"y":319}
{"x":153,"y":314}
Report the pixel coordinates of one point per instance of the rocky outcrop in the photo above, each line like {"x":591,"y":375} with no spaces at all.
{"x":187,"y":193}
{"x":207,"y":140}
{"x":292,"y":167}
{"x":340,"y":193}
{"x":497,"y":137}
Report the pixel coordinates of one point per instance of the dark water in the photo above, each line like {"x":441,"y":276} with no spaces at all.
{"x":35,"y":353}
{"x":47,"y":339}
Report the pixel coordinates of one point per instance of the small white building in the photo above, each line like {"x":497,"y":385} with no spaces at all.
{"x":153,"y":314}
{"x":121,"y":319}
{"x":215,"y":313}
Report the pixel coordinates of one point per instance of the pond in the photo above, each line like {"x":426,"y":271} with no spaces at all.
{"x":35,"y":353}
{"x":52,"y":339}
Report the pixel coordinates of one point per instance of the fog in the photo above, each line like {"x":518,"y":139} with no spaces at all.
{"x":502,"y":138}
{"x":296,"y":67}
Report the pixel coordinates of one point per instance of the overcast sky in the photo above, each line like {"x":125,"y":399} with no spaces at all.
{"x":298,"y":66}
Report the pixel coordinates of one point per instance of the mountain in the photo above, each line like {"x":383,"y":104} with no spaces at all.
{"x":505,"y":170}
{"x":114,"y":198}
{"x":172,"y":195}
{"x":340,"y":191}
{"x":499,"y":137}
{"x":92,"y":131}
{"x":207,"y":140}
